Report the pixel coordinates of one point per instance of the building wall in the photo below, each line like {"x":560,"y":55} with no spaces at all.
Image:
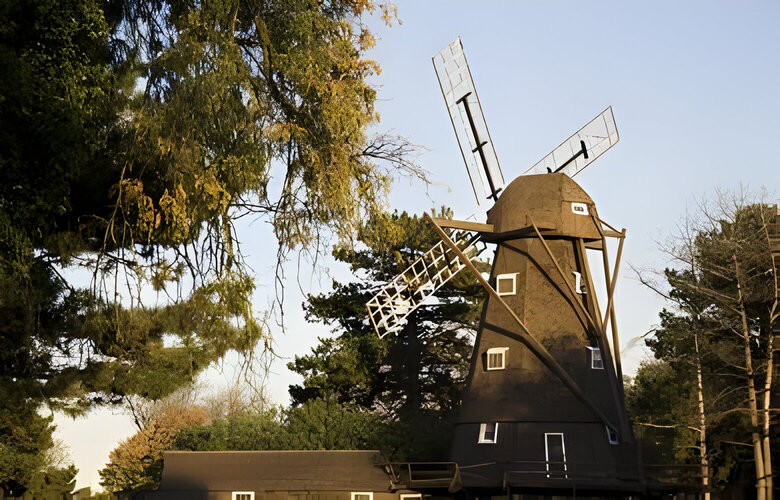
{"x":260,"y":495}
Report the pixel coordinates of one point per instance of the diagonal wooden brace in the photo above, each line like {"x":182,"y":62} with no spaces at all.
{"x":611,"y":283}
{"x":524,"y":336}
{"x":578,"y":304}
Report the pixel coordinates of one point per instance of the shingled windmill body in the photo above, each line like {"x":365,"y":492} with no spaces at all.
{"x":543,"y":408}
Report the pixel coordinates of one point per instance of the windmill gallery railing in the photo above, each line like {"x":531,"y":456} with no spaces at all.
{"x":448,"y":475}
{"x":658,"y":478}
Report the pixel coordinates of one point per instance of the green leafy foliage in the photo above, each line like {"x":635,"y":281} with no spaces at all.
{"x":725,"y":269}
{"x":316,"y":425}
{"x":137,"y":462}
{"x":397,"y":394}
{"x":133,"y":134}
{"x":413,"y":380}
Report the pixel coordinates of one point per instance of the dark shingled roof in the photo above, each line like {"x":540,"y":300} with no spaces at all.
{"x":342,"y":470}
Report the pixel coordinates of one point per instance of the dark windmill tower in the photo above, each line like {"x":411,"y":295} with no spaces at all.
{"x":543,"y":409}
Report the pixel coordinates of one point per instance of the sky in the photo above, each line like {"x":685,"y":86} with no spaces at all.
{"x":694,"y":90}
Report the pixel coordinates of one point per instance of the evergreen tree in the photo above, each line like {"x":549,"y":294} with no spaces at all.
{"x":133,"y":134}
{"x":718,"y":339}
{"x":413,"y":380}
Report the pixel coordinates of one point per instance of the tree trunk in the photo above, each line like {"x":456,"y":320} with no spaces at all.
{"x":705,"y":467}
{"x":412,"y":368}
{"x":770,"y":365}
{"x":758,"y":453}
{"x":767,"y":414}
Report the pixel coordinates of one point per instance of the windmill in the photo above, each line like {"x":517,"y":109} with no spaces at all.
{"x":543,"y":407}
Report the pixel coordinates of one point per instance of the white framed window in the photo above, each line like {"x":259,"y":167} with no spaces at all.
{"x":411,"y":496}
{"x":555,"y":454}
{"x":612,"y":435}
{"x":488,"y":433}
{"x":579,"y":208}
{"x":578,"y":286}
{"x":496,"y":358}
{"x":596,"y":361}
{"x":243,"y":495}
{"x":362,"y":495}
{"x":506,"y":284}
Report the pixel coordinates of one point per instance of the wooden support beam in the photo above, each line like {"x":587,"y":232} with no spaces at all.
{"x":524,"y":336}
{"x":614,"y":232}
{"x":464,"y":225}
{"x":611,"y":282}
{"x":594,"y":245}
{"x":566,"y":280}
{"x":612,"y":285}
{"x":577,"y":310}
{"x":530,"y":342}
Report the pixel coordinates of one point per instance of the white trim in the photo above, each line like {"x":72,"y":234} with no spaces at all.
{"x":578,"y":283}
{"x":579,"y":208}
{"x":593,"y":351}
{"x":506,"y":276}
{"x":547,"y":452}
{"x":497,"y":350}
{"x":354,"y":494}
{"x":409,"y":496}
{"x":610,"y":438}
{"x":237,"y":493}
{"x":483,"y":428}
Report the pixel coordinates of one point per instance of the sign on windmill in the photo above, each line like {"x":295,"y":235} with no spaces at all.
{"x":543,"y":369}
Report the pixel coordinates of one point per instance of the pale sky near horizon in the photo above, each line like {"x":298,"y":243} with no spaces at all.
{"x":694,"y":89}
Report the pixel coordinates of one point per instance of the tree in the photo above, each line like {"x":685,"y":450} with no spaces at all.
{"x":262,"y":430}
{"x":412,"y":380}
{"x":30,"y":458}
{"x":137,"y":462}
{"x":660,"y":405}
{"x":57,"y":477}
{"x":23,"y":434}
{"x":723,"y":323}
{"x":315,"y":425}
{"x":133,"y":135}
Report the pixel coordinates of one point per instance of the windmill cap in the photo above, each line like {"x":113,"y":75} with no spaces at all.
{"x":554,"y":202}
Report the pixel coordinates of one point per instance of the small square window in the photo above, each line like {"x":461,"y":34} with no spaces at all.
{"x":506,"y":284}
{"x":411,"y":496}
{"x":362,"y":495}
{"x":488,"y":433}
{"x":596,"y":362}
{"x":243,"y":495}
{"x":496,"y":358}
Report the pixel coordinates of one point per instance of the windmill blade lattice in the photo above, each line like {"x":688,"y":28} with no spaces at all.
{"x":389,"y":308}
{"x":467,"y":118}
{"x":597,"y":136}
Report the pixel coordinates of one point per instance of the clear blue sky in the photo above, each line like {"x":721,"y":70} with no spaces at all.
{"x":695,"y":91}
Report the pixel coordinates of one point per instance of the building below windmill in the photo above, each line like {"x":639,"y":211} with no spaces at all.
{"x":351,"y":475}
{"x":287,"y":475}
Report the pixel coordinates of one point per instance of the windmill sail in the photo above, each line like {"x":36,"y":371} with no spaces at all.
{"x":468,"y":121}
{"x":389,"y":308}
{"x":596,"y":137}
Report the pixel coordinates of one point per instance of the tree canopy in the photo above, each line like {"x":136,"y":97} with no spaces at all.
{"x":412,"y":380}
{"x":133,"y":135}
{"x":715,"y":344}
